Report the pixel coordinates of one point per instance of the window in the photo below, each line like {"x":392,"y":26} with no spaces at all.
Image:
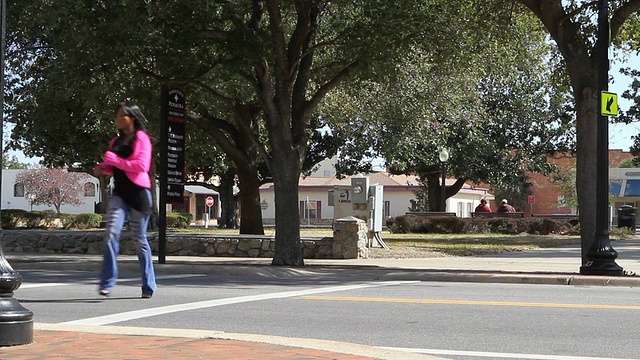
{"x":614,"y":187}
{"x":310,"y":209}
{"x":18,"y":190}
{"x":89,"y":189}
{"x":632,"y":188}
{"x":184,"y":207}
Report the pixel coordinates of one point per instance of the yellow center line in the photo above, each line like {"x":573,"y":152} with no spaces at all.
{"x":469,"y":302}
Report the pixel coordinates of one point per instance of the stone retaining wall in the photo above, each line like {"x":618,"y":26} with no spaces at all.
{"x":91,"y":242}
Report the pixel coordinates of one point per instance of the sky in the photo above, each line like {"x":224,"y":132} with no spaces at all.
{"x":620,"y":134}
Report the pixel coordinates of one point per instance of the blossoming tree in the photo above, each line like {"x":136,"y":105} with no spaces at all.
{"x":53,"y":187}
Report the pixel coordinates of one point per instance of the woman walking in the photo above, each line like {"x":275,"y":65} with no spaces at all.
{"x":128,"y":160}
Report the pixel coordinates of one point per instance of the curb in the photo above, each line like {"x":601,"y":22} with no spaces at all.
{"x":516,"y":278}
{"x":337,"y":272}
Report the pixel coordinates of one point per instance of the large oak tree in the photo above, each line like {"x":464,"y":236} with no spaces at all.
{"x":572,"y":26}
{"x":253,"y":68}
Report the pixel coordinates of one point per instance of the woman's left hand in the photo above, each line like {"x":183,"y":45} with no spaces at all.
{"x":110,"y":158}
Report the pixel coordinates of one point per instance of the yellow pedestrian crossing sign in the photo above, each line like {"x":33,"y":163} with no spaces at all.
{"x":608,"y":103}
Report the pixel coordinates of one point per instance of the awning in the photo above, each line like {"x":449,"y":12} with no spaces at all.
{"x":197,"y":189}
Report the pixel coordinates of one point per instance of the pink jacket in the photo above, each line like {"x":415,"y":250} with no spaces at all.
{"x":135,"y":166}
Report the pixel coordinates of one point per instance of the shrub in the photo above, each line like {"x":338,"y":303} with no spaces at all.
{"x":426,"y":224}
{"x":187,"y":216}
{"x":88,"y":220}
{"x":501,"y":225}
{"x":33,"y":219}
{"x":66,"y":220}
{"x":506,"y":226}
{"x":621,"y":232}
{"x":477,"y":225}
{"x":12,"y":218}
{"x":178,"y":220}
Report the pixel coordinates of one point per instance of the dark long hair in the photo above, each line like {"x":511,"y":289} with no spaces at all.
{"x":139,"y":122}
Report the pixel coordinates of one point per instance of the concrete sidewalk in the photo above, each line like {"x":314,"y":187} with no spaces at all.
{"x":559,"y":266}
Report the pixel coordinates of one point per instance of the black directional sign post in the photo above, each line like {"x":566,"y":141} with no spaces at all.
{"x":173,"y":116}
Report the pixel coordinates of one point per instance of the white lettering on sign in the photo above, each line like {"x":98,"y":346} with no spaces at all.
{"x":176,"y":105}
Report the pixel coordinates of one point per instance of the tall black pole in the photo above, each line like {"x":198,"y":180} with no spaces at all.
{"x":162,"y":221}
{"x":16,"y":322}
{"x":601,"y":255}
{"x":443,"y":194}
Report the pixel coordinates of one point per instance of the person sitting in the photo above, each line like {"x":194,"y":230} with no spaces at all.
{"x":483,"y":207}
{"x":505,"y":207}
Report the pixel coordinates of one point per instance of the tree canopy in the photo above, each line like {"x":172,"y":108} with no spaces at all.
{"x":498,"y":112}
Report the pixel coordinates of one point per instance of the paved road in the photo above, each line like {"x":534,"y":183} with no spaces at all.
{"x":201,"y":294}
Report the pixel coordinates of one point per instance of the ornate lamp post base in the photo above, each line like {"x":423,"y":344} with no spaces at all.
{"x":602,"y":258}
{"x":16,"y":322}
{"x":599,"y":267}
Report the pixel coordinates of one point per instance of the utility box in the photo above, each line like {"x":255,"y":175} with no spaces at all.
{"x":627,"y":217}
{"x":359,"y":200}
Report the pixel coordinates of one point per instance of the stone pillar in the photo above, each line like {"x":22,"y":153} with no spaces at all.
{"x":350,"y":238}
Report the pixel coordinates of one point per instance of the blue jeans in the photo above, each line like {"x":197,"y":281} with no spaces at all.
{"x":116,"y":215}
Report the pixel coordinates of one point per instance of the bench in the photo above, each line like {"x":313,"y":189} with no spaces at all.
{"x":556,"y":216}
{"x":430,"y":213}
{"x":518,"y":215}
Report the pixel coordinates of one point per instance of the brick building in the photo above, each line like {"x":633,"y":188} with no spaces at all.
{"x":548,"y":194}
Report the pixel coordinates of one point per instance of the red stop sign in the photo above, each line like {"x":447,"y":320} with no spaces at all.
{"x":209,"y":201}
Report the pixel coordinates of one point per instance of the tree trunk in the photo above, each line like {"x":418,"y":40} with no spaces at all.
{"x":586,"y":168}
{"x":288,"y":247}
{"x":250,"y":210}
{"x":227,"y":201}
{"x":434,"y":189}
{"x":286,"y":172}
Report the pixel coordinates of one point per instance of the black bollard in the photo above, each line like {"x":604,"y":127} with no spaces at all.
{"x":16,"y":322}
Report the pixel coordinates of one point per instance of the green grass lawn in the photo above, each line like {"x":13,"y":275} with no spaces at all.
{"x":435,"y":245}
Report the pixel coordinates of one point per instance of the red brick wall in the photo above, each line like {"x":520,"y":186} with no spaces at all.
{"x":546,"y":192}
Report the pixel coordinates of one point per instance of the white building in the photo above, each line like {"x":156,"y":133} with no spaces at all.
{"x":399,"y":196}
{"x":195,"y":203}
{"x":14,"y":196}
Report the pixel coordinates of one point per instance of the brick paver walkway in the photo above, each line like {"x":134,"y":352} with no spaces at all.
{"x":74,"y":345}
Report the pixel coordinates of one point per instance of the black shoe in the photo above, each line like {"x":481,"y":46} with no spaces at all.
{"x":147,"y":294}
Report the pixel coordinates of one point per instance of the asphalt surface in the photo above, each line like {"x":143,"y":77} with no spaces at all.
{"x":559,"y":266}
